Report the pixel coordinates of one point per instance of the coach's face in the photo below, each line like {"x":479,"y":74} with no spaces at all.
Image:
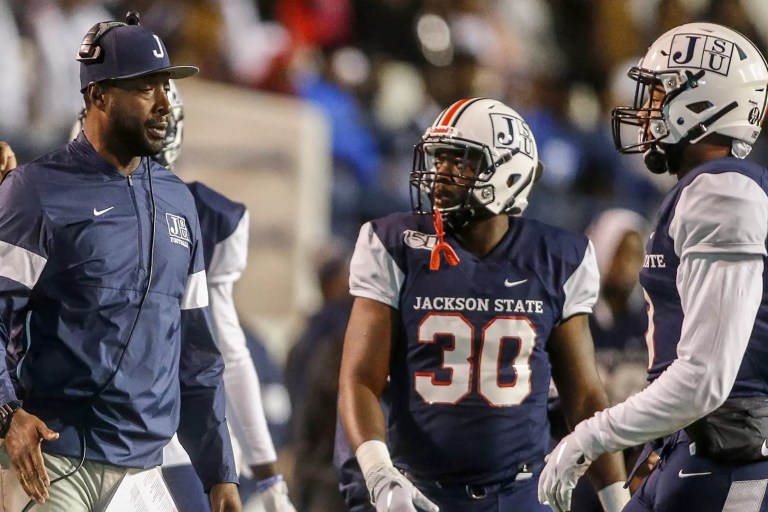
{"x":138,"y":110}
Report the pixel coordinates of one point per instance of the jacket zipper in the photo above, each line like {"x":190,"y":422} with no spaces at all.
{"x":138,"y":222}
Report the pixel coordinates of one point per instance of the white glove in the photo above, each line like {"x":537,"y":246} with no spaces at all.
{"x":274,"y":496}
{"x":390,"y":490}
{"x":565,"y":465}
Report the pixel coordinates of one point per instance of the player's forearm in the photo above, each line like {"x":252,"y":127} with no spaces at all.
{"x":244,"y":405}
{"x":608,"y":469}
{"x":361,"y":414}
{"x":264,"y":471}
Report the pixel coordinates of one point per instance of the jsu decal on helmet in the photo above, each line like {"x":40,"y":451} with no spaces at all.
{"x":702,"y":52}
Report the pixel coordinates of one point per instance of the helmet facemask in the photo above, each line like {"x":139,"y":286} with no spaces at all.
{"x":452,"y":175}
{"x":649,"y":117}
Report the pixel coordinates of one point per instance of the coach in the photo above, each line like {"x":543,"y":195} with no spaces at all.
{"x":106,"y":344}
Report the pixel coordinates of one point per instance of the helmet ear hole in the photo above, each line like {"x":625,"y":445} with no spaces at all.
{"x":699,"y":106}
{"x":512,"y":179}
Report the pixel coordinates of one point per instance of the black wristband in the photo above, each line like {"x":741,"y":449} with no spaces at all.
{"x":6,"y":415}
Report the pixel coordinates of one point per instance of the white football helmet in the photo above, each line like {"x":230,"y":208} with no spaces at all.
{"x":714,"y":81}
{"x":174,"y":134}
{"x":498,"y":142}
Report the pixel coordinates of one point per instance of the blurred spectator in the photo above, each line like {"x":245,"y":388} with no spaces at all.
{"x":619,"y":320}
{"x":54,"y":27}
{"x":251,"y":46}
{"x":315,"y":483}
{"x":356,"y":156}
{"x":192,"y":30}
{"x":607,"y":180}
{"x":13,"y":85}
{"x":331,"y":265}
{"x":319,"y":23}
{"x":563,"y":151}
{"x":312,"y":373}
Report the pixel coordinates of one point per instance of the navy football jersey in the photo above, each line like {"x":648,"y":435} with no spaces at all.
{"x":469,"y":369}
{"x":219,"y":218}
{"x":712,"y":209}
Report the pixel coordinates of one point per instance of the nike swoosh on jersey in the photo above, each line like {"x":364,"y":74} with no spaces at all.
{"x":686,"y":475}
{"x":764,"y":448}
{"x":101,"y":212}
{"x":510,"y":284}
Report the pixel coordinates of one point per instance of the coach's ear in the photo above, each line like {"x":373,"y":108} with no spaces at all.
{"x":95,"y":95}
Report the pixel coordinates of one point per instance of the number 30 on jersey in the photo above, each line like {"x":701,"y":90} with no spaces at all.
{"x":461,"y":362}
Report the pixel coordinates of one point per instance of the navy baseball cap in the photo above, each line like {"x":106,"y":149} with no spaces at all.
{"x":116,"y":51}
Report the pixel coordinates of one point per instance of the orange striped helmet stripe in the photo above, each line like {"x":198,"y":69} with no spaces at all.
{"x":451,"y":111}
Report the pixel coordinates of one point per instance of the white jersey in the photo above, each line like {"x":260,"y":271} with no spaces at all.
{"x":703,"y":279}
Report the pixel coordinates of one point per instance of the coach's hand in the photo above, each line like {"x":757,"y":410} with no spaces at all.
{"x":225,"y":498}
{"x":22,"y":442}
{"x":7,"y":159}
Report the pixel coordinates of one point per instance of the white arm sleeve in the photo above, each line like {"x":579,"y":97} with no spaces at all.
{"x":373,"y":273}
{"x":245,"y":411}
{"x":720,"y":289}
{"x":582,"y":287}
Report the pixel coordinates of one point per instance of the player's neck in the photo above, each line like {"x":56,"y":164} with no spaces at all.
{"x":482,"y":236}
{"x":696,"y":154}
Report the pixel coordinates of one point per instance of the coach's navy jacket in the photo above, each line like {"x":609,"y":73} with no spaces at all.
{"x":103,"y":324}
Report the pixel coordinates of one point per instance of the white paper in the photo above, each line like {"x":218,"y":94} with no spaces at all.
{"x":142,"y":492}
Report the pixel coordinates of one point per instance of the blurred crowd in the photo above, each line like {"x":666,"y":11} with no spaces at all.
{"x":382,"y":70}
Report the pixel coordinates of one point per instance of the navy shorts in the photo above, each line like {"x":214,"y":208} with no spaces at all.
{"x":682,"y":482}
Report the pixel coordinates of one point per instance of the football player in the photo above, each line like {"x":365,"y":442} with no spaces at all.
{"x":224,"y":227}
{"x":468,"y":309}
{"x":701,"y":97}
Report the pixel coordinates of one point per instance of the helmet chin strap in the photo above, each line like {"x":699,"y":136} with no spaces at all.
{"x":659,"y":159}
{"x":655,"y":160}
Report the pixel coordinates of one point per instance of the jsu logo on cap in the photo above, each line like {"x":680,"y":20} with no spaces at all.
{"x":159,"y":54}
